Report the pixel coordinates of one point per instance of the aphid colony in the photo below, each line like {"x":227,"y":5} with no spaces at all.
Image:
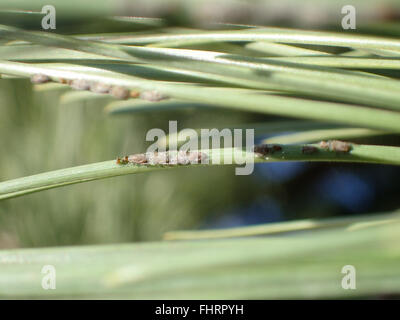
{"x":165,"y":158}
{"x":152,"y":95}
{"x":98,"y":87}
{"x":331,"y":145}
{"x":195,"y":157}
{"x":40,"y":78}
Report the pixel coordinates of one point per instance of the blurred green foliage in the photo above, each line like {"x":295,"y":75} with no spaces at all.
{"x":39,"y":134}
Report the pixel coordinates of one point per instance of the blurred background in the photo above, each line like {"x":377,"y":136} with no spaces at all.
{"x":41,"y":132}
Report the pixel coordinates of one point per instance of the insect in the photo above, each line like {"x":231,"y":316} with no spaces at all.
{"x":40,"y":78}
{"x":80,"y":84}
{"x":99,"y":87}
{"x":152,"y":96}
{"x":335,"y":145}
{"x":275,"y":147}
{"x":139,"y":158}
{"x":186,"y":157}
{"x":154,"y":158}
{"x":197,"y":157}
{"x":65,"y":81}
{"x":120,"y":92}
{"x":266,"y":149}
{"x":309,"y":149}
{"x":134,"y":94}
{"x":123,"y":160}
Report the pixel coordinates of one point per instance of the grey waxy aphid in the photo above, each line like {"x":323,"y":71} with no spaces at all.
{"x":179,"y":157}
{"x":139,"y":158}
{"x":120,"y":92}
{"x":40,"y":78}
{"x":154,"y":158}
{"x":189,"y":157}
{"x":99,"y":87}
{"x":81,"y":84}
{"x":195,"y":157}
{"x":183,"y":157}
{"x":152,"y":95}
{"x":336,"y":145}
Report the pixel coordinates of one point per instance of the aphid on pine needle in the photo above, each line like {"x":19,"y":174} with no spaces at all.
{"x":80,"y":84}
{"x":187,"y":157}
{"x":177,"y":157}
{"x":261,"y":150}
{"x":134,"y":94}
{"x":152,"y":95}
{"x":120,"y":92}
{"x":276,"y":148}
{"x":335,"y":145}
{"x":123,"y":160}
{"x":155,"y":158}
{"x":197,"y":157}
{"x":266,"y":149}
{"x":309,"y":150}
{"x":65,"y":81}
{"x":40,"y":78}
{"x":139,"y":158}
{"x":99,"y":87}
{"x":324,"y":145}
